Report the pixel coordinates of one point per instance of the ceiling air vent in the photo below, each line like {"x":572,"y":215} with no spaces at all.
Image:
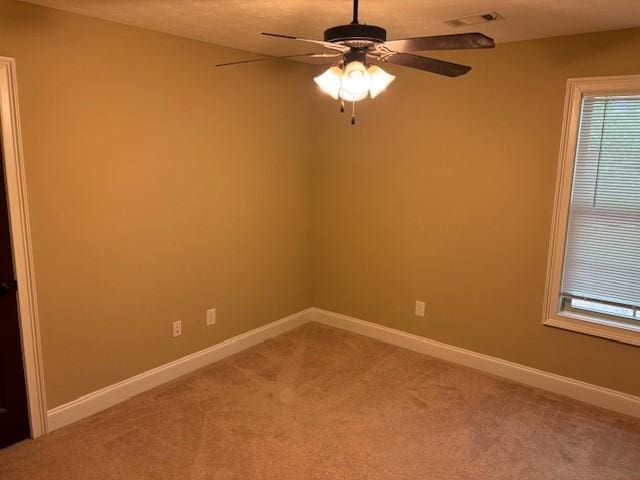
{"x":474,"y":19}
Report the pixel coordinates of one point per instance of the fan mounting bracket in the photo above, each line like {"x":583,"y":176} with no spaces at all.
{"x":356,"y":35}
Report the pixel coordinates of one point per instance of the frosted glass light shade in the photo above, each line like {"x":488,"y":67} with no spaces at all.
{"x":355,"y":82}
{"x":380,"y":80}
{"x":330,"y":81}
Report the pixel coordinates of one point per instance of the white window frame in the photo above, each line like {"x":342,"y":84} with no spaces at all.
{"x":591,"y":324}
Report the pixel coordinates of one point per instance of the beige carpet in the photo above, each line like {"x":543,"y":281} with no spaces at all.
{"x":321,"y":403}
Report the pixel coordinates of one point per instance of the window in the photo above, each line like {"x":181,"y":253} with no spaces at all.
{"x":593,"y":283}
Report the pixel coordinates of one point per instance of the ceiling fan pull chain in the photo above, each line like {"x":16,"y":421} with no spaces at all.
{"x":353,"y":113}
{"x":341,"y":106}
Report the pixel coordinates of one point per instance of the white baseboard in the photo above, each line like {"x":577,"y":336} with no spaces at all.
{"x":585,"y":392}
{"x":106,"y":397}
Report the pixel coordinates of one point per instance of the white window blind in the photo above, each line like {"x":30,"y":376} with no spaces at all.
{"x":602,"y":252}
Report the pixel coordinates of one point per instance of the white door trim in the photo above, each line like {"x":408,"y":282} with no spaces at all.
{"x":21,"y":240}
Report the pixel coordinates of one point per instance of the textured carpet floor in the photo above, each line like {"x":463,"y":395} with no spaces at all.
{"x":321,"y":403}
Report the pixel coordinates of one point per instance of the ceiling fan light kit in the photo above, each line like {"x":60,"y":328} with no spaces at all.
{"x":355,"y":83}
{"x":355,"y":46}
{"x":352,"y":80}
{"x":330,"y":82}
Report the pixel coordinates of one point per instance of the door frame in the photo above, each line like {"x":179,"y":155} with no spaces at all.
{"x":22,"y":250}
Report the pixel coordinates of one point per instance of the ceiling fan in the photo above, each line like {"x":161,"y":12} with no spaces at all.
{"x":354,"y":45}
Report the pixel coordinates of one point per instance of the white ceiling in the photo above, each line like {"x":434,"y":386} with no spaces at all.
{"x":238,"y":23}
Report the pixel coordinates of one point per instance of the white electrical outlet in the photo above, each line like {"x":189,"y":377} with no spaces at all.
{"x":211,"y":317}
{"x":420,"y":306}
{"x":177,"y":328}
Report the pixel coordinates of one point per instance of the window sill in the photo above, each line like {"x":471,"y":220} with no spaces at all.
{"x":596,"y":326}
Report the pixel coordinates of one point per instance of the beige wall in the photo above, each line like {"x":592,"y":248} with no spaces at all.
{"x":158,"y":186}
{"x":444,"y":192}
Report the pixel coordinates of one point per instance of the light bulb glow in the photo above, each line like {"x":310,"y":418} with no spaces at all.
{"x":380,"y":80}
{"x":330,"y":81}
{"x":355,"y":82}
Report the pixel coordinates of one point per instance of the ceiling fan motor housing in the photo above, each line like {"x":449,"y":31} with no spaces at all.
{"x":355,"y":35}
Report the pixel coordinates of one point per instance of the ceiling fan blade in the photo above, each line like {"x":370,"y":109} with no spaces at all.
{"x":427,"y":64}
{"x":459,"y":41}
{"x":308,"y":55}
{"x":329,"y":45}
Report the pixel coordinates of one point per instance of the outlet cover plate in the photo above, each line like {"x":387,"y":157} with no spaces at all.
{"x":211,"y":317}
{"x":177,"y":328}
